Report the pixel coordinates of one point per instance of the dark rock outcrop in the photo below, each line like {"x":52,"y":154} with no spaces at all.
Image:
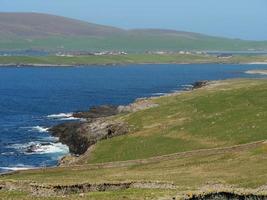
{"x":200,"y":84}
{"x":97,"y":112}
{"x":72,"y":135}
{"x":79,"y":136}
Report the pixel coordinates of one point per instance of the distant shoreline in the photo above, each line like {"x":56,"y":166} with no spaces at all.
{"x":34,"y":65}
{"x":120,"y":64}
{"x":130,"y":59}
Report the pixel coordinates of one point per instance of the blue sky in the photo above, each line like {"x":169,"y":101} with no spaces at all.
{"x":246,"y":19}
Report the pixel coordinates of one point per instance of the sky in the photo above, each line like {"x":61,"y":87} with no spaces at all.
{"x":244,"y":19}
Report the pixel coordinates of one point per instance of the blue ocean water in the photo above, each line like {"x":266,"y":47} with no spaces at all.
{"x":33,"y":99}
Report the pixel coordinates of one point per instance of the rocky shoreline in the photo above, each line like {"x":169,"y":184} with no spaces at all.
{"x":98,"y":124}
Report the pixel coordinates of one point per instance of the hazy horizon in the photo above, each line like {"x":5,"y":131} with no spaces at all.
{"x":241,"y":19}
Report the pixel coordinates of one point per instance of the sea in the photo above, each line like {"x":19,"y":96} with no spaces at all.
{"x":32,"y":99}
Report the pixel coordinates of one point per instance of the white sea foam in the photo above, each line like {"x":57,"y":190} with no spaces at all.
{"x":41,"y":148}
{"x":69,"y":118}
{"x":188,"y":86}
{"x":60,"y":115}
{"x":63,"y":117}
{"x":17,"y":167}
{"x":39,"y":129}
{"x":158,"y":94}
{"x":52,"y":148}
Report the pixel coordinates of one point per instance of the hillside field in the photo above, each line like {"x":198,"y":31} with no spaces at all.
{"x":202,"y":141}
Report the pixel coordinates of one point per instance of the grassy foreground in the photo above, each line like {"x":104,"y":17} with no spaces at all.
{"x":203,"y":140}
{"x":126,"y":59}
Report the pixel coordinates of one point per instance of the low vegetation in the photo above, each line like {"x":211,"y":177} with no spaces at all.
{"x":202,"y":141}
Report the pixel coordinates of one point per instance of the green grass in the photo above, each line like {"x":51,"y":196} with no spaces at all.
{"x":240,"y":168}
{"x":231,"y":112}
{"x":195,"y":120}
{"x":126,"y":59}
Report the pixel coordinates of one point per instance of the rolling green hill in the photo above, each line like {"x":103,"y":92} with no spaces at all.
{"x":19,"y":31}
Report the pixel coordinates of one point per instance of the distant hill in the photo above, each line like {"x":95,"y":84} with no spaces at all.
{"x":43,"y":25}
{"x":20,"y":31}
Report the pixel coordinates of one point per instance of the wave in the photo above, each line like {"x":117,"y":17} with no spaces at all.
{"x":63,"y":116}
{"x":41,"y":148}
{"x":60,"y":115}
{"x":52,"y":148}
{"x":17,"y":168}
{"x":158,"y":94}
{"x":69,"y":118}
{"x":39,"y":129}
{"x":188,"y":86}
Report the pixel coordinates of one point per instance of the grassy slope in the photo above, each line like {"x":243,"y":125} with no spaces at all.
{"x":245,"y":169}
{"x":128,"y":59}
{"x":194,"y":120}
{"x":234,"y":112}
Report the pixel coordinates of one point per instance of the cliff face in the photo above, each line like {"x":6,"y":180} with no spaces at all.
{"x":97,"y":112}
{"x":79,"y":136}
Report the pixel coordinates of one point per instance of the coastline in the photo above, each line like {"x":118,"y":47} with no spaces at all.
{"x":102,"y":118}
{"x":34,"y":65}
{"x":56,"y":61}
{"x":16,"y":65}
{"x":81,"y":186}
{"x":99,"y":119}
{"x":99,"y":124}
